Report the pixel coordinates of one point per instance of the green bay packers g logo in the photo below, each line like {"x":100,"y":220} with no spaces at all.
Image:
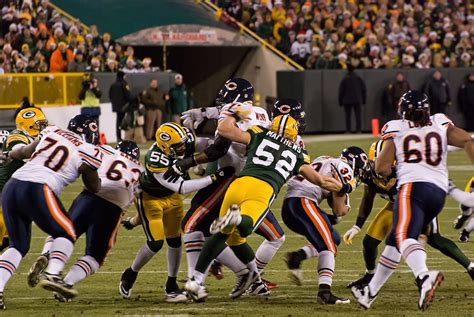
{"x":29,"y":114}
{"x":165,"y":137}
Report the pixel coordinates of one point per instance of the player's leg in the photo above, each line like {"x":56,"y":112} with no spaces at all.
{"x":464,"y":236}
{"x":376,"y":233}
{"x":150,"y":210}
{"x":4,"y":242}
{"x":465,"y":211}
{"x":448,"y":247}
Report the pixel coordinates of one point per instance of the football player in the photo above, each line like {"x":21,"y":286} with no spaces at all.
{"x":302,"y":214}
{"x":272,"y":157}
{"x":98,"y":215}
{"x":58,"y":158}
{"x":160,"y":206}
{"x":382,"y":223}
{"x":29,"y":123}
{"x":466,"y":205}
{"x":418,"y":143}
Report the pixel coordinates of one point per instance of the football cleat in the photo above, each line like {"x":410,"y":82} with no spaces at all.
{"x":460,"y":221}
{"x":126,"y":282}
{"x":427,"y":287}
{"x":242,"y":283}
{"x":464,"y":237}
{"x":62,"y":299}
{"x":216,"y":270}
{"x":470,"y":271}
{"x":231,"y":218}
{"x":258,"y":288}
{"x":56,"y":284}
{"x":362,"y":281}
{"x":363,"y":296}
{"x":196,"y":291}
{"x":269,"y":285}
{"x":328,"y":298}
{"x":293,"y":263}
{"x":179,"y":296}
{"x":36,"y":270}
{"x":2,"y":301}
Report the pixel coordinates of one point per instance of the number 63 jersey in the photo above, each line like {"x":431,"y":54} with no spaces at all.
{"x":421,"y":152}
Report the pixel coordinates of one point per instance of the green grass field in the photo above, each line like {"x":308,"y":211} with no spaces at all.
{"x":99,"y":296}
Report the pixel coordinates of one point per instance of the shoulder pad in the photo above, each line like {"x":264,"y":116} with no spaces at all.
{"x":390,"y":129}
{"x":442,"y":120}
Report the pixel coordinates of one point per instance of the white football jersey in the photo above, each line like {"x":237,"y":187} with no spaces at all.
{"x":57,"y":159}
{"x":421,"y":152}
{"x":298,"y":186}
{"x":119,"y":175}
{"x":236,"y":155}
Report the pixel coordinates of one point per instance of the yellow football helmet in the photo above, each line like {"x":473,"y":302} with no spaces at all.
{"x":31,"y":120}
{"x":171,"y":139}
{"x":375,"y":149}
{"x":286,"y":126}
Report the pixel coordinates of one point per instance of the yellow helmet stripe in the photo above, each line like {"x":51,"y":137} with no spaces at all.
{"x":378,"y":147}
{"x":178,"y":129}
{"x":282,"y":125}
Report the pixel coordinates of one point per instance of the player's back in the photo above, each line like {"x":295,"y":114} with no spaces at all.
{"x":298,"y":186}
{"x":119,"y":174}
{"x":272,"y":158}
{"x":421,"y":152}
{"x":57,"y":159}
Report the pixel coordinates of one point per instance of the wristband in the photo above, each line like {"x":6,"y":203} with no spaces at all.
{"x":346,"y":189}
{"x":360,"y":222}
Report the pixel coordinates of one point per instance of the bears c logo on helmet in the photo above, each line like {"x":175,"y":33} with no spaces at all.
{"x":165,"y":137}
{"x":29,"y":114}
{"x":93,"y":126}
{"x":284,"y":109}
{"x":231,"y":86}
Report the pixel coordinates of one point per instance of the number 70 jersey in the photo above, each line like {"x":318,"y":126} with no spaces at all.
{"x":421,"y":152}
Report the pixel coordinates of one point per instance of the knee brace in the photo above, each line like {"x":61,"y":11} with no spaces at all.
{"x":174,"y":242}
{"x":155,"y":246}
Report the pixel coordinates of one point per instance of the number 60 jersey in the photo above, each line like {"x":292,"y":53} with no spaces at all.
{"x":420,"y":151}
{"x":57,"y":159}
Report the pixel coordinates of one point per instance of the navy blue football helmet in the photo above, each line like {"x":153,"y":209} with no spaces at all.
{"x":357,"y":159}
{"x":292,"y":107}
{"x":86,"y":127}
{"x":414,"y":105}
{"x":235,"y":90}
{"x":130,"y":148}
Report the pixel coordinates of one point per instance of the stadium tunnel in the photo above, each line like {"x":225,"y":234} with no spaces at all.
{"x":206,"y":51}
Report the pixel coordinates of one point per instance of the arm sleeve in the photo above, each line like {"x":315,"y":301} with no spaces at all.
{"x":218,"y":149}
{"x":82,"y":93}
{"x":97,"y":92}
{"x":465,"y":198}
{"x":183,"y":186}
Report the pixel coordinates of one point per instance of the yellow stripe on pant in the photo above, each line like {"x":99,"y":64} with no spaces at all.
{"x":382,"y":223}
{"x":253,"y":196}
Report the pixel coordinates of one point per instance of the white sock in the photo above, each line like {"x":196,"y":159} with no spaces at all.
{"x":471,"y":266}
{"x":326,"y":265}
{"x":266,"y":251}
{"x":415,"y":256}
{"x":310,"y":251}
{"x":193,"y":243}
{"x":199,"y":277}
{"x":61,"y":250}
{"x":388,"y":262}
{"x":252,"y":266}
{"x":9,"y":261}
{"x":83,"y":268}
{"x":174,"y":259}
{"x":48,"y":243}
{"x":228,"y":258}
{"x":470,"y":226}
{"x":143,"y":256}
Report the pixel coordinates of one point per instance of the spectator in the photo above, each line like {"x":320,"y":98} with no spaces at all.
{"x":78,"y":65}
{"x":61,"y":58}
{"x":352,"y":94}
{"x":300,"y":50}
{"x":133,"y":121}
{"x":154,"y":101}
{"x":313,"y":58}
{"x":130,"y":66}
{"x":394,"y":91}
{"x":326,"y":61}
{"x":466,"y":101}
{"x":437,"y":90}
{"x":111,"y":66}
{"x":119,"y":95}
{"x":95,"y":66}
{"x":178,"y":99}
{"x":90,"y":97}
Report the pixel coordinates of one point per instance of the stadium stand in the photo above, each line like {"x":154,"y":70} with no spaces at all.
{"x":366,"y":33}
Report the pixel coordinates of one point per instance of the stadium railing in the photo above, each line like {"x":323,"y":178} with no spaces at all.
{"x":43,"y":89}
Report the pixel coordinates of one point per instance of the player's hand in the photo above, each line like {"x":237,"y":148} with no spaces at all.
{"x":223,"y":173}
{"x":451,"y":186}
{"x":186,"y":163}
{"x":4,"y":158}
{"x":238,"y":110}
{"x":173,"y":174}
{"x":127,"y":223}
{"x":193,"y":118}
{"x":350,"y":234}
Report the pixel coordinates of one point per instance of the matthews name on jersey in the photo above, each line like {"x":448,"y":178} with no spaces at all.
{"x":421,"y":152}
{"x":272,"y":158}
{"x":119,"y":174}
{"x":57,"y":159}
{"x":298,"y":186}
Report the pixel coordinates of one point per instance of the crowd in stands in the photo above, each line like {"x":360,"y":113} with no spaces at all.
{"x":329,"y":34}
{"x":36,"y":38}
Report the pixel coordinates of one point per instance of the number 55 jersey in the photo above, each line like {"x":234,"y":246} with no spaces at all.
{"x":420,"y":151}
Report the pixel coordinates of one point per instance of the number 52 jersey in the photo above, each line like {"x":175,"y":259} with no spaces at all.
{"x":421,"y":152}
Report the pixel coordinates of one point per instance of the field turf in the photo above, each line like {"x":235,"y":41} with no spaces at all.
{"x":99,"y":296}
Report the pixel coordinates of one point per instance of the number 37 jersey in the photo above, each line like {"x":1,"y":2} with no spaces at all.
{"x":57,"y":159}
{"x":421,"y":152}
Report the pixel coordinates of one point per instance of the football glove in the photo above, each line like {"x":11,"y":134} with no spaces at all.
{"x":350,"y":234}
{"x":222,"y":173}
{"x":451,"y":186}
{"x":192,"y":118}
{"x":173,"y":174}
{"x":127,"y":223}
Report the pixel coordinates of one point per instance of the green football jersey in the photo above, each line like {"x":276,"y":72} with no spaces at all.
{"x":6,"y":171}
{"x":155,"y":162}
{"x":272,"y":158}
